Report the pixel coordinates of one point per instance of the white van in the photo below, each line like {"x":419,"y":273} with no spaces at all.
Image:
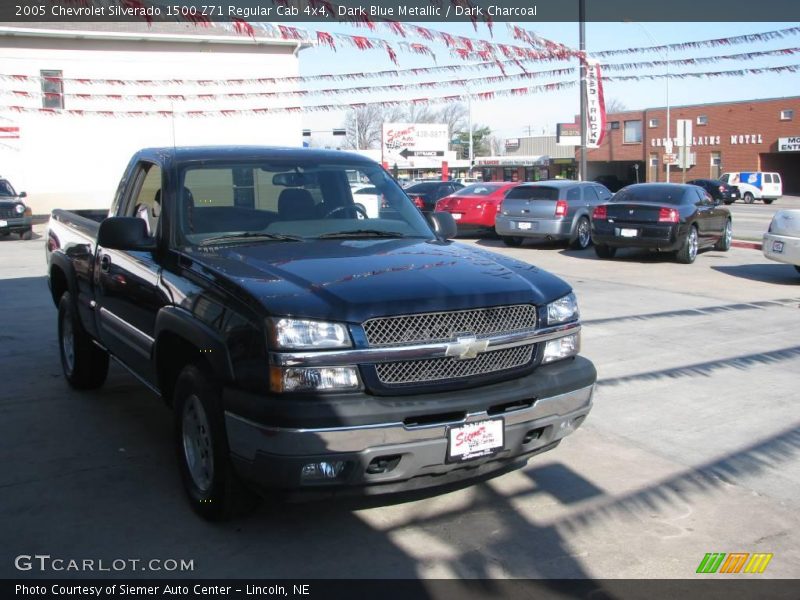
{"x":756,"y":185}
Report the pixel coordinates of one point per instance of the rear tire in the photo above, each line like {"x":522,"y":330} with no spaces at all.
{"x":604,"y":251}
{"x":214,"y":490}
{"x":85,"y":365}
{"x":769,"y":200}
{"x":748,"y":198}
{"x":724,"y":243}
{"x":512,"y":241}
{"x":688,"y":251}
{"x":729,"y":202}
{"x":583,"y":235}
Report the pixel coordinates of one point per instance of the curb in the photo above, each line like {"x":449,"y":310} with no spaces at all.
{"x":743,"y":244}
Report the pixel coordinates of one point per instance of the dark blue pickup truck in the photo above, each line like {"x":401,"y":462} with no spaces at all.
{"x":304,"y":345}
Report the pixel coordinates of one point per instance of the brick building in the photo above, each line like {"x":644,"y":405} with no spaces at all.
{"x":726,"y":136}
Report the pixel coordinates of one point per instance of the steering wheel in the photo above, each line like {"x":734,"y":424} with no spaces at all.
{"x":356,"y":208}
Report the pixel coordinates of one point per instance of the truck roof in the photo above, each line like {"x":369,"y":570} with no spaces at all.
{"x":192,"y":153}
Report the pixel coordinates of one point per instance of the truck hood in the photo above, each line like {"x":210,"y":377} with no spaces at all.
{"x":354,"y":280}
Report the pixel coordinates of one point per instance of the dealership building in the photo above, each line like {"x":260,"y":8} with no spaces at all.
{"x":750,"y":135}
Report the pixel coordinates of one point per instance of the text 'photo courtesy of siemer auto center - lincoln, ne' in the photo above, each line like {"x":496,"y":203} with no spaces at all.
{"x":407,"y":298}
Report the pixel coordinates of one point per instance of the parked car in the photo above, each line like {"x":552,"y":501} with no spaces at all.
{"x":368,"y":198}
{"x":468,"y":180}
{"x":718,"y":190}
{"x":611,"y":182}
{"x":756,"y":185}
{"x":304,"y":349}
{"x":782,"y":240}
{"x":557,"y":209}
{"x":15,"y":217}
{"x":668,"y":217}
{"x":475,"y":207}
{"x":426,"y":194}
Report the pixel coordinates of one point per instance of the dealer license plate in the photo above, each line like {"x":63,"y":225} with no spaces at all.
{"x":3,"y":223}
{"x":777,"y":247}
{"x":475,"y":440}
{"x":524,"y":225}
{"x":628,"y":232}
{"x":457,"y":216}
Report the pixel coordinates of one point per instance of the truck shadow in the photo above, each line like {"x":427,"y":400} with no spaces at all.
{"x":766,"y":273}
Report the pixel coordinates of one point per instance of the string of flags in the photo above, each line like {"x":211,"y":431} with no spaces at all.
{"x":480,"y":96}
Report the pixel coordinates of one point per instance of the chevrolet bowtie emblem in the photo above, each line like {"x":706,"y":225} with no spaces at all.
{"x":467,"y":347}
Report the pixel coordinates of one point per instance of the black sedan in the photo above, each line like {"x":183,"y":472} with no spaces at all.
{"x":668,"y":217}
{"x":426,"y":194}
{"x":718,"y":190}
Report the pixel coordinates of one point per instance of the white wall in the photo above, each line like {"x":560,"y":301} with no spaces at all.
{"x":76,"y":161}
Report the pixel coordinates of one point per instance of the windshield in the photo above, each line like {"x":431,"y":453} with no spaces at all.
{"x":532,"y":192}
{"x":6,"y":189}
{"x":249,"y":202}
{"x":477,"y":189}
{"x":661,"y":194}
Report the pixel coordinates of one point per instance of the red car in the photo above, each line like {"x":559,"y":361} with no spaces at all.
{"x":475,"y":206}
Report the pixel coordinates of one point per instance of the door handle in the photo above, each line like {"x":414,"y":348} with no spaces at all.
{"x":105,"y":263}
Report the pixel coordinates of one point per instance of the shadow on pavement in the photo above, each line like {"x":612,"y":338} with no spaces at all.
{"x":766,"y":273}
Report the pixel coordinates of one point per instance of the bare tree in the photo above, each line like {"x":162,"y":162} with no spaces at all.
{"x":455,"y":115}
{"x":420,"y":113}
{"x":363,"y":127}
{"x":615,"y":105}
{"x":495,"y":145}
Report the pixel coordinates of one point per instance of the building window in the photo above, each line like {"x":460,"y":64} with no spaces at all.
{"x":633,"y":132}
{"x":654,"y":160}
{"x":787,"y":115}
{"x":613,"y":124}
{"x":52,"y":89}
{"x":702,"y":119}
{"x":652,"y":123}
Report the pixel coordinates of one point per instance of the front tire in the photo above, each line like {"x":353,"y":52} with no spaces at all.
{"x":688,"y":251}
{"x":201,"y":443}
{"x":604,"y":251}
{"x":583,"y":235}
{"x":748,"y":198}
{"x":26,"y":235}
{"x":512,"y":241}
{"x":724,"y":243}
{"x":85,"y":365}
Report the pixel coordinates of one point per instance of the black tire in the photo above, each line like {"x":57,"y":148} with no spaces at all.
{"x":26,"y":235}
{"x":583,"y":235}
{"x":768,"y":200}
{"x":748,"y":198}
{"x":724,"y":242}
{"x":85,"y":365}
{"x":512,"y":241}
{"x":729,"y":202}
{"x":604,"y":251}
{"x":214,"y":490}
{"x":797,"y":268}
{"x":688,"y":251}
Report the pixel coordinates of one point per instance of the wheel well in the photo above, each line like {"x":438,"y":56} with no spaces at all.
{"x":173,"y":353}
{"x":58,"y":284}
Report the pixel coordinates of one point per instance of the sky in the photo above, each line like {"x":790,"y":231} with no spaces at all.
{"x":538,"y":114}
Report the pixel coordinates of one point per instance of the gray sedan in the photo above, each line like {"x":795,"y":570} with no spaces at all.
{"x":558,"y":209}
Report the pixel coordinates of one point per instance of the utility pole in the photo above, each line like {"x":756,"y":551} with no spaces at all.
{"x":582,"y":47}
{"x":469,"y":110}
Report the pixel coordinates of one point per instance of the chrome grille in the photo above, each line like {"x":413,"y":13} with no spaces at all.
{"x":448,"y":326}
{"x":437,"y":369}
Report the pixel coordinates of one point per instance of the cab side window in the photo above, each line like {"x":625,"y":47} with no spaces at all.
{"x":573,"y":194}
{"x":145,"y":201}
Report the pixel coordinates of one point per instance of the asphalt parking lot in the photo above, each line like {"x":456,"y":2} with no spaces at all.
{"x":692,"y":447}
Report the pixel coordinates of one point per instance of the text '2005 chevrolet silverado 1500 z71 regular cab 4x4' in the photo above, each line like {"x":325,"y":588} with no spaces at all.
{"x":303,"y":345}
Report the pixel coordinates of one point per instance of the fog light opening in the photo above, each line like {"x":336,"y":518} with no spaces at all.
{"x":383,"y":464}
{"x":322,"y":471}
{"x":533,"y":434}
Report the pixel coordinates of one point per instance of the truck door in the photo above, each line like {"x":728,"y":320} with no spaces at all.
{"x":128,"y":294}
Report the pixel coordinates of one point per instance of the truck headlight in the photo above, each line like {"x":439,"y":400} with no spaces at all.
{"x":302,"y":334}
{"x":563,"y":310}
{"x":20,"y":208}
{"x":314,"y":379}
{"x":562,"y":347}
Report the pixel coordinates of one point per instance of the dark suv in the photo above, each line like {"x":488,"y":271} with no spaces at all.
{"x":718,"y":190}
{"x":15,"y":217}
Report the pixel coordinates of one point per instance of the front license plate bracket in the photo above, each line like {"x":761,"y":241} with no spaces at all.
{"x":472,"y":441}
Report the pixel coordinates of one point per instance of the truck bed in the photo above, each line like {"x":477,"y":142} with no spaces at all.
{"x":86,"y":222}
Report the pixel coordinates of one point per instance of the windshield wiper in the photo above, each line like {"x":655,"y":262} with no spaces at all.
{"x":359,"y":233}
{"x":250,"y":236}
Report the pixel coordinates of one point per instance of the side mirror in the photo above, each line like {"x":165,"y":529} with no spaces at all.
{"x":23,"y":194}
{"x":444,"y":225}
{"x":125,"y":233}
